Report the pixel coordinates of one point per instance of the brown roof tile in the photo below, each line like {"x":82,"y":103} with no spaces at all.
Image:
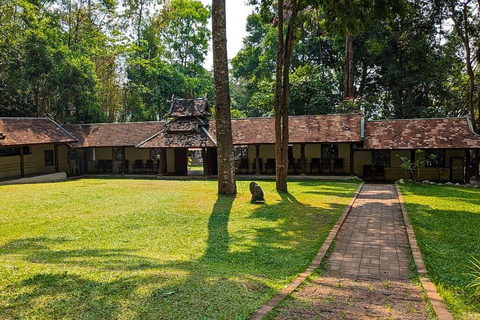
{"x":126,"y":134}
{"x":202,"y":138}
{"x":189,"y":108}
{"x":303,"y":129}
{"x":443,"y":133}
{"x":32,"y":131}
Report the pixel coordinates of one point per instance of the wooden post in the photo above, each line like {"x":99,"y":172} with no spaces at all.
{"x":22,"y":164}
{"x":124,"y":161}
{"x":206,"y":163}
{"x":257,"y":159}
{"x":85,"y":161}
{"x":302,"y":158}
{"x":412,"y":159}
{"x":352,"y":159}
{"x":55,"y":155}
{"x":467,"y":166}
{"x":477,"y":165}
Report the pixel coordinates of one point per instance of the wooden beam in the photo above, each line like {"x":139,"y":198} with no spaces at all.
{"x":467,"y":166}
{"x":257,"y":159}
{"x":477,"y":165}
{"x":55,"y":156}
{"x":302,"y":158}
{"x":352,"y":159}
{"x":205,"y":163}
{"x":412,"y":159}
{"x":22,"y":163}
{"x":124,"y":161}
{"x":85,"y":161}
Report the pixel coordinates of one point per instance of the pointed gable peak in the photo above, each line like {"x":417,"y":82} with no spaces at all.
{"x":198,"y":107}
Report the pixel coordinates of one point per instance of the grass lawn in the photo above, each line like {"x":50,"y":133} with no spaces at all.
{"x":151,"y":249}
{"x":447,"y":224}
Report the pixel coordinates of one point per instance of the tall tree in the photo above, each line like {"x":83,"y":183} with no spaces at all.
{"x":226,"y":166}
{"x":287,"y":15}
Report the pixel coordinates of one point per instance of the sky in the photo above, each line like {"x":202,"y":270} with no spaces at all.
{"x":237,"y":13}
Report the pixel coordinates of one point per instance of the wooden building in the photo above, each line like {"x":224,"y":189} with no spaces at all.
{"x":31,"y":146}
{"x":320,"y":144}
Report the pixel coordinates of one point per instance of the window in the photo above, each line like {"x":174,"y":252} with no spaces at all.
{"x":10,"y":152}
{"x":117,"y":154}
{"x":434,"y":158}
{"x":381,"y":158}
{"x":330,"y":151}
{"x":90,"y":154}
{"x":241,"y":152}
{"x":48,"y":154}
{"x":290,"y":152}
{"x":156,"y":153}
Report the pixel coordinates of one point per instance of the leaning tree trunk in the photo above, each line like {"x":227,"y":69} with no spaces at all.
{"x":349,"y":67}
{"x":464,"y":32}
{"x":226,"y":166}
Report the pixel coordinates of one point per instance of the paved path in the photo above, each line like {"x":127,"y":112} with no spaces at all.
{"x":372,"y":241}
{"x":368,"y":271}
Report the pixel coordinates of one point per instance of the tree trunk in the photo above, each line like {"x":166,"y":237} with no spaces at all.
{"x":226,"y":166}
{"x":282,"y":91}
{"x":349,"y":67}
{"x":280,"y":179}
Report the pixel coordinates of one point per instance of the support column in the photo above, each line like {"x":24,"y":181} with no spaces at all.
{"x":302,"y":159}
{"x":257,"y":159}
{"x":205,"y":161}
{"x":55,"y":156}
{"x":22,"y":163}
{"x":467,"y":166}
{"x":477,"y":165}
{"x":352,"y":159}
{"x":124,"y":161}
{"x":412,"y":159}
{"x":85,"y":161}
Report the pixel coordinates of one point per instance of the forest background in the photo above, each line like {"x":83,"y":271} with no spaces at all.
{"x":85,"y":61}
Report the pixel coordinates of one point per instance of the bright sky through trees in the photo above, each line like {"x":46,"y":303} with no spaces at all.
{"x":237,"y":13}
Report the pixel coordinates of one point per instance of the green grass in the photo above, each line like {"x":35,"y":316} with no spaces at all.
{"x":151,"y":249}
{"x":446,"y":221}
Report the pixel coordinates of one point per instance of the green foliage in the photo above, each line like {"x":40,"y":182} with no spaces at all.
{"x":186,"y":36}
{"x":475,"y":273}
{"x":413,"y":167}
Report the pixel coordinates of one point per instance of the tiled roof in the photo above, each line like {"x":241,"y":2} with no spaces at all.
{"x":303,"y":129}
{"x":126,"y":134}
{"x":444,"y":133}
{"x":32,"y":131}
{"x":203,"y":137}
{"x":189,"y":108}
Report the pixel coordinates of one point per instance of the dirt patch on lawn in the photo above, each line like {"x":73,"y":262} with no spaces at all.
{"x":338,"y":297}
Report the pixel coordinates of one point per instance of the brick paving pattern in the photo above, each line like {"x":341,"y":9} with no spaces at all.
{"x":372,"y":241}
{"x":367,"y":275}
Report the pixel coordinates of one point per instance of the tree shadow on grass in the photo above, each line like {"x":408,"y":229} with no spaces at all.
{"x":237,"y":273}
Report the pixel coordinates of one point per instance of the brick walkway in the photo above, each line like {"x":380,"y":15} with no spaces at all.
{"x":372,"y":240}
{"x":368,"y":271}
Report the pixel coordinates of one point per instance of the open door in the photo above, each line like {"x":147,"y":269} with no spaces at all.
{"x":457,"y":169}
{"x":181,"y":161}
{"x":212,"y":161}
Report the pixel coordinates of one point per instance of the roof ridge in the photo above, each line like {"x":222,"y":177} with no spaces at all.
{"x":63,"y":129}
{"x":303,"y":116}
{"x":414,"y":119}
{"x":111,"y":123}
